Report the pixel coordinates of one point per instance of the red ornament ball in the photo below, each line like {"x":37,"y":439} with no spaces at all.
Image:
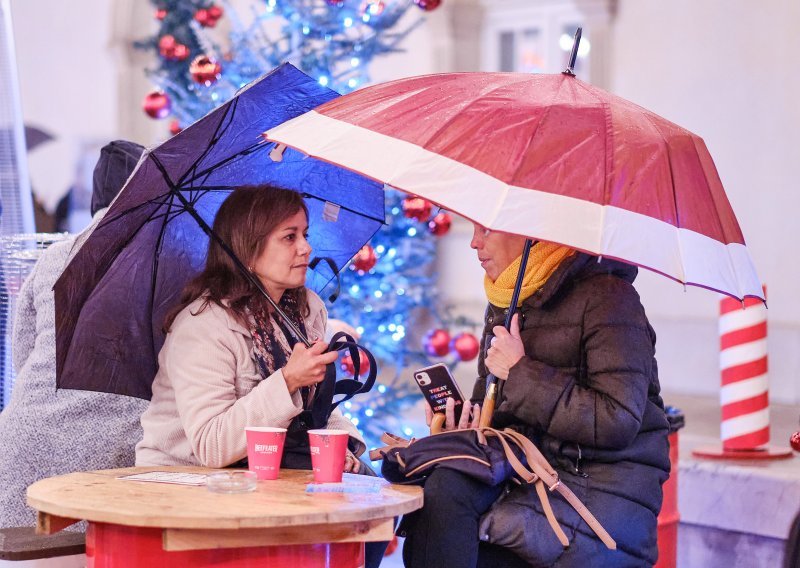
{"x":437,"y":343}
{"x":348,"y":366}
{"x":335,"y":3}
{"x":175,"y":126}
{"x":440,"y":224}
{"x":428,"y":5}
{"x":160,"y":14}
{"x":365,"y":259}
{"x":466,"y":346}
{"x":204,"y":70}
{"x":180,"y":52}
{"x":156,"y":104}
{"x":417,"y":208}
{"x":166,"y":43}
{"x":169,"y":48}
{"x":208,"y":17}
{"x":794,"y":441}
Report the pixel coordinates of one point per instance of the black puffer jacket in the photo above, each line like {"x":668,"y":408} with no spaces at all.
{"x":587,"y":394}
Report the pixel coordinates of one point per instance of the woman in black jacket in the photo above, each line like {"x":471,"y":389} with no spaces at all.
{"x":579,"y":378}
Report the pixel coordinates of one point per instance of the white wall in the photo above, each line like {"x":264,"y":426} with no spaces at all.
{"x":725,"y":69}
{"x":68,"y":84}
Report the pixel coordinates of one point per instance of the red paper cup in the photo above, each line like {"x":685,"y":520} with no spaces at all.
{"x":264,"y":450}
{"x":328,"y":448}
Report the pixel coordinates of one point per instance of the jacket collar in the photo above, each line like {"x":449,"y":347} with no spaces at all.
{"x":575,"y":268}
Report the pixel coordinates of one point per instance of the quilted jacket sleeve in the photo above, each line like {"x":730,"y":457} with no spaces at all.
{"x":606,"y":407}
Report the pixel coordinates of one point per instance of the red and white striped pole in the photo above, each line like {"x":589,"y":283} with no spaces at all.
{"x":744,"y":396}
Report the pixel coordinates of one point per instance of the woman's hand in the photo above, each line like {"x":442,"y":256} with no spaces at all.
{"x":450,"y":413}
{"x":351,"y":463}
{"x":306,"y":365}
{"x":506,"y":349}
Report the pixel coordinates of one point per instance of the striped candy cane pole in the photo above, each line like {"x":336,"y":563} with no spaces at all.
{"x":744,"y":396}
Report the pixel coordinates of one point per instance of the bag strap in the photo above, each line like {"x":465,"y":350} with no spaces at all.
{"x":548,"y":475}
{"x":529,"y":477}
{"x":391,"y":441}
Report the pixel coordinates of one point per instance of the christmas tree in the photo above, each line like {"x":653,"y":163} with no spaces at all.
{"x":388,"y":293}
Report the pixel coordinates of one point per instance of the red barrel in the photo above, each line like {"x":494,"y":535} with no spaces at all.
{"x":669,"y":517}
{"x":118,"y":546}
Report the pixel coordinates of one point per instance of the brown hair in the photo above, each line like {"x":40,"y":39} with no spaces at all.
{"x":244,"y":220}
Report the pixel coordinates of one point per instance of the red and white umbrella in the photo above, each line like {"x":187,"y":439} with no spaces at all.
{"x":546,"y":156}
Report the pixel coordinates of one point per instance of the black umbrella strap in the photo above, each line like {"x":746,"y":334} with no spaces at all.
{"x":330,"y":387}
{"x":332,"y":265}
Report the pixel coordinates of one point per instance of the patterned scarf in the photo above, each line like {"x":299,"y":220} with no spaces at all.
{"x":543,"y":260}
{"x":272,"y":344}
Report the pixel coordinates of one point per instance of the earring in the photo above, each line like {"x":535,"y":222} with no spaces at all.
{"x":250,"y":268}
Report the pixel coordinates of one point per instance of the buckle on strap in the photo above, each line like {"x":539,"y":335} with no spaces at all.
{"x":555,"y":485}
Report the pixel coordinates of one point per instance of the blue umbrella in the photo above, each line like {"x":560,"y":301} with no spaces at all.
{"x":112,"y":298}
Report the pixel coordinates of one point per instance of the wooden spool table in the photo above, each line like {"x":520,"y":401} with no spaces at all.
{"x":156,"y":524}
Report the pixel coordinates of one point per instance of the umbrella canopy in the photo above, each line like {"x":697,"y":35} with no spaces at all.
{"x":112,"y":297}
{"x":545,"y":156}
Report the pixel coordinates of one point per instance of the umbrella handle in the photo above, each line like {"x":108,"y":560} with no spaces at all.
{"x":489,"y":399}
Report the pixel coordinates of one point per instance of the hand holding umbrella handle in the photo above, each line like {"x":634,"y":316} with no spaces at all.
{"x":489,"y":399}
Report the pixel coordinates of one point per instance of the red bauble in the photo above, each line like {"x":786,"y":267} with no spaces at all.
{"x":466,"y":346}
{"x":169,"y":48}
{"x":794,"y":441}
{"x":428,"y":5}
{"x":180,"y":52}
{"x":208,"y":17}
{"x":201,"y":16}
{"x":437,"y":343}
{"x":166,"y":44}
{"x":440,"y":224}
{"x":335,"y":3}
{"x":365,"y":259}
{"x":417,"y":208}
{"x":160,"y":14}
{"x":215,"y":12}
{"x":175,"y":126}
{"x":349,"y":367}
{"x":156,"y":104}
{"x":204,"y":70}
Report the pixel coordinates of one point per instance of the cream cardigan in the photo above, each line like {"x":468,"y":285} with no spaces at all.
{"x":208,"y":389}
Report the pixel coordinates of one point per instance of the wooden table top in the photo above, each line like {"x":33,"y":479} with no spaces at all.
{"x":100,"y":497}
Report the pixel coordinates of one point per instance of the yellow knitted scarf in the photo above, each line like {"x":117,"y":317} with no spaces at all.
{"x":543,"y":259}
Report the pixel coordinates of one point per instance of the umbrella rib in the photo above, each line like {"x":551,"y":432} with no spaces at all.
{"x":223,"y":125}
{"x":186,"y":181}
{"x":159,"y":244}
{"x":189,"y":207}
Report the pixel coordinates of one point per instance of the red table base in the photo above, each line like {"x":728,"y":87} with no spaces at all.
{"x":118,"y":546}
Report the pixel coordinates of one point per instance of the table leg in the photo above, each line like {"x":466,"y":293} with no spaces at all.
{"x":118,"y":546}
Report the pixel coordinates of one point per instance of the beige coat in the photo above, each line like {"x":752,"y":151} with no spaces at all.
{"x":208,"y":389}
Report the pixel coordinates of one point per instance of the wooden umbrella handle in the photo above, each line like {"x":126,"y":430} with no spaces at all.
{"x":437,"y":422}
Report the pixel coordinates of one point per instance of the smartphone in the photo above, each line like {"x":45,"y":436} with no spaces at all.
{"x":437,"y":384}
